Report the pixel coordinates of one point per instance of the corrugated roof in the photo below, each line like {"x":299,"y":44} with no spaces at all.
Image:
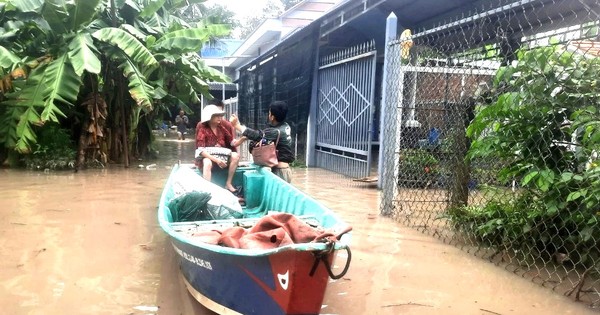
{"x":273,"y":31}
{"x":220,"y":48}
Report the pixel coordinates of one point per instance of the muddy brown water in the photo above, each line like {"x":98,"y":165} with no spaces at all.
{"x":89,"y":243}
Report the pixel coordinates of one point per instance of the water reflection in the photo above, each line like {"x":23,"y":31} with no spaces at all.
{"x":172,"y":150}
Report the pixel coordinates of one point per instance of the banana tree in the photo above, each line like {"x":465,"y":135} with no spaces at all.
{"x":174,"y":43}
{"x":51,"y":75}
{"x":119,"y":52}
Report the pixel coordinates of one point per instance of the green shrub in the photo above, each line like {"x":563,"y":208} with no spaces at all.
{"x":542,"y":124}
{"x":526,"y":226}
{"x":418,"y":168}
{"x":54,"y":150}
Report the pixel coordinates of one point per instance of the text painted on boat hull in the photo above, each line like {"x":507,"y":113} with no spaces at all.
{"x":200,"y":262}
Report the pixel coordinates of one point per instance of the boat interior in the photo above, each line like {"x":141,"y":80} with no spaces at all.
{"x":263,"y":192}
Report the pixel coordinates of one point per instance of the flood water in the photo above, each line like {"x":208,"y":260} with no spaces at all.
{"x":89,"y":243}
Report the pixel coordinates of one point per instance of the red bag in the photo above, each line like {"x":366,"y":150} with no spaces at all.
{"x":266,"y":154}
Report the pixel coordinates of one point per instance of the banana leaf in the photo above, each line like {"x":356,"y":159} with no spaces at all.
{"x":151,"y":7}
{"x":56,"y":15}
{"x":7,"y":58}
{"x":82,"y":54}
{"x":189,"y":40}
{"x":81,"y":13}
{"x":28,"y":5}
{"x":132,"y":47}
{"x":141,"y":92}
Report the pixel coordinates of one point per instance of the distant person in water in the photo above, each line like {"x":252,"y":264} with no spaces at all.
{"x":181,"y":121}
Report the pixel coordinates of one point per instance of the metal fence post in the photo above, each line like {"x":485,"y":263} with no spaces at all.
{"x":312,"y":114}
{"x":391,"y":27}
{"x":393,"y":126}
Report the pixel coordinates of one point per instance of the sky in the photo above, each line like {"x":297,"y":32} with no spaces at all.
{"x":242,"y":8}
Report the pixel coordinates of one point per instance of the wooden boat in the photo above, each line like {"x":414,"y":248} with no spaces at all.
{"x":290,"y":279}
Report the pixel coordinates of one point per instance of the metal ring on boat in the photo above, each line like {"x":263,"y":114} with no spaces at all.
{"x":323,"y":256}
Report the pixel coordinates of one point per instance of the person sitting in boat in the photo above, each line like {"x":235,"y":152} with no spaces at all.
{"x":225,"y":123}
{"x":277,"y":126}
{"x":214,"y":146}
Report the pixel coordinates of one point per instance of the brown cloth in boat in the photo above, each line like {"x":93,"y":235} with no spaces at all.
{"x":271,"y":231}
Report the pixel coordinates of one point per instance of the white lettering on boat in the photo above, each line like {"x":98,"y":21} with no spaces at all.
{"x":200,"y":262}
{"x":284,"y":279}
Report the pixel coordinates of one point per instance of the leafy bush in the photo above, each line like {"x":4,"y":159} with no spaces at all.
{"x":54,"y":150}
{"x":543,"y":126}
{"x":499,"y":222}
{"x":418,"y":168}
{"x":526,"y":225}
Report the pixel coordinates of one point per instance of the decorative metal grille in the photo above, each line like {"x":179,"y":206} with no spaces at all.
{"x":345,"y":110}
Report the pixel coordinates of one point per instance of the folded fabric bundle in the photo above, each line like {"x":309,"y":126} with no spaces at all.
{"x":270,"y":232}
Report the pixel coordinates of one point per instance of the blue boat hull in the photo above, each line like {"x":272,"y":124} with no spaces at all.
{"x":286,"y":280}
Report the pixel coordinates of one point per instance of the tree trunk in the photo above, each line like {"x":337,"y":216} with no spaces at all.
{"x":119,"y":148}
{"x":3,"y":155}
{"x":82,"y":146}
{"x":461,"y":166}
{"x":144,"y":136}
{"x":124,"y":134}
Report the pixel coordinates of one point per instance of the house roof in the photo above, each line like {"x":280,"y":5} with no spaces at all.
{"x":214,"y":53}
{"x":272,"y":31}
{"x":220,"y":48}
{"x":454,"y":24}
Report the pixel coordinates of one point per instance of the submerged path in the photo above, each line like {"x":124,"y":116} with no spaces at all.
{"x":89,"y":243}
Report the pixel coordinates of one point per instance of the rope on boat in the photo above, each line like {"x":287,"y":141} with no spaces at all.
{"x":322,"y":256}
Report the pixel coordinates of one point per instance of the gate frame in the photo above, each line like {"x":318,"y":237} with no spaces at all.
{"x":339,"y":58}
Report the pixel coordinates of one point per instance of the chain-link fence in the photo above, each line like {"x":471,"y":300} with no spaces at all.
{"x":493,"y":129}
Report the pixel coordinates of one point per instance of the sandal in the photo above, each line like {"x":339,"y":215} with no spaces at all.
{"x":238,"y":192}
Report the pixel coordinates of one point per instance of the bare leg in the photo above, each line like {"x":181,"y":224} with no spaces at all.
{"x":207,"y":169}
{"x":233,"y":164}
